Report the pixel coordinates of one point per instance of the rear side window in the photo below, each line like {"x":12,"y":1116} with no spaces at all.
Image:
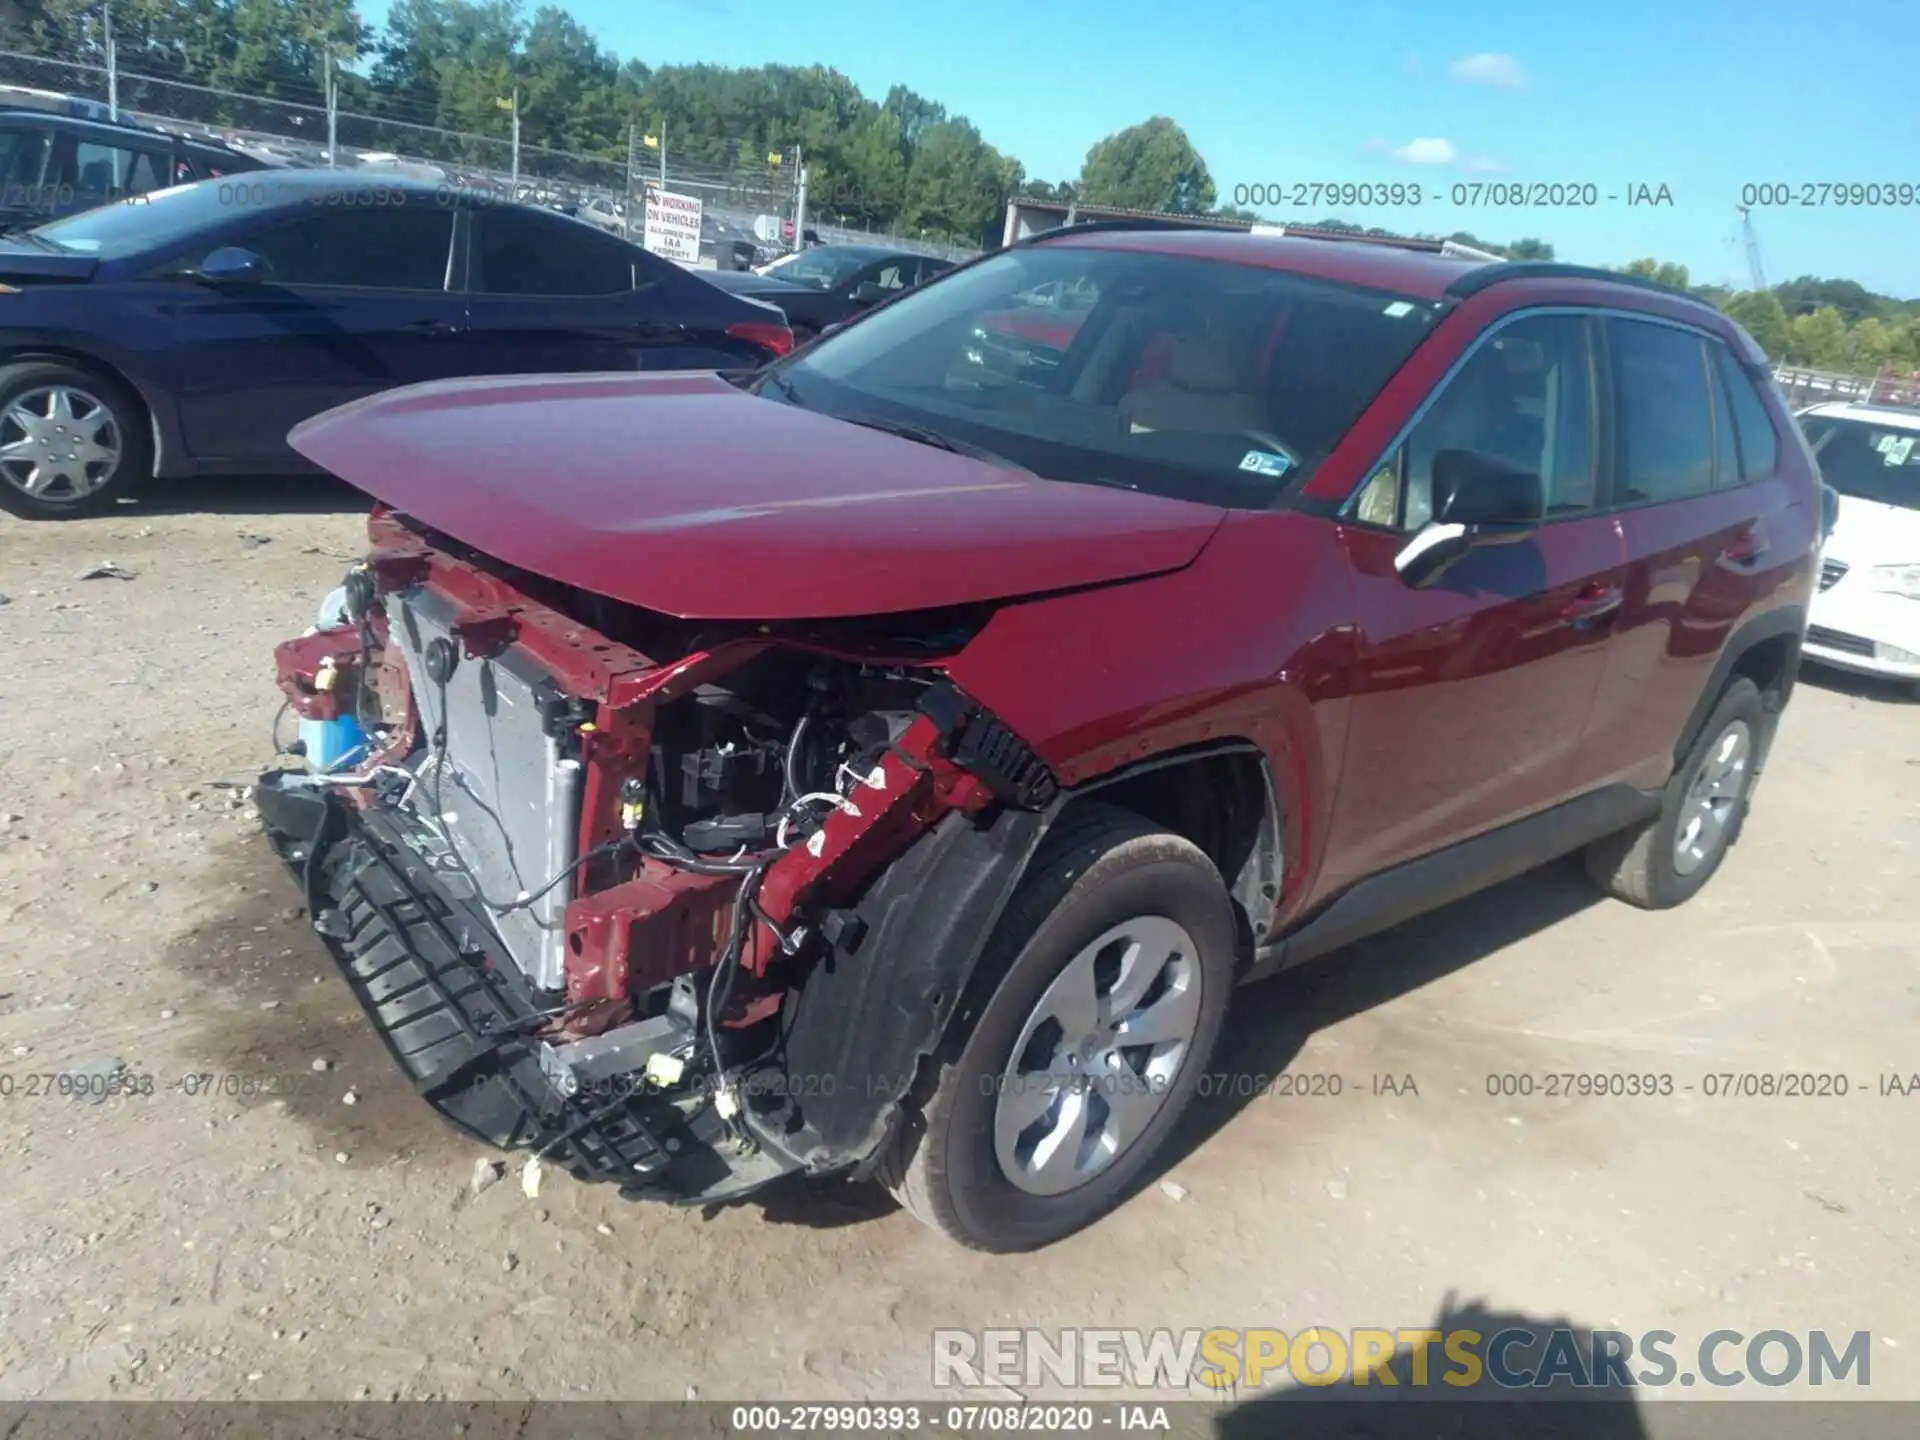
{"x":521,"y":254}
{"x":1752,"y":425}
{"x":1663,"y":412}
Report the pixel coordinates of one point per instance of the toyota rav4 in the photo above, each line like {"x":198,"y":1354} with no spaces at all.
{"x":889,"y":764}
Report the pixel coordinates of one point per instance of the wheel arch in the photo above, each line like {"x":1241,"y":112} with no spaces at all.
{"x":25,"y":351}
{"x":860,"y":1028}
{"x":1765,"y":650}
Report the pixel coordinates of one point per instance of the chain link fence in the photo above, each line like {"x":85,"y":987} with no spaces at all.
{"x":737,"y":199}
{"x":1804,"y":387}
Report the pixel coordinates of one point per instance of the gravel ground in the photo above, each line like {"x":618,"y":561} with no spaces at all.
{"x":302,"y":1227}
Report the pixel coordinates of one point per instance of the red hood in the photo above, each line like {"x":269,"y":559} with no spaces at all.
{"x":682,"y":494}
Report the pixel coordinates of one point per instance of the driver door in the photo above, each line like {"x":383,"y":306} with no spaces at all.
{"x":355,"y":301}
{"x":1471,"y":696}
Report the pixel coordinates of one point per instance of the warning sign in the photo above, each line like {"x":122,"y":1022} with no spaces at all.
{"x":673,"y":226}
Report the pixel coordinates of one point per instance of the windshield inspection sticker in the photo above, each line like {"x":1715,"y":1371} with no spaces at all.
{"x":1896,"y":448}
{"x":1265,"y":462}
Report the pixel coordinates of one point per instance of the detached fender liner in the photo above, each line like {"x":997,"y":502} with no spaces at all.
{"x":865,"y":1018}
{"x":460,"y":1026}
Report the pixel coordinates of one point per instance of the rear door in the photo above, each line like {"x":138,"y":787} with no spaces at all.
{"x":356,"y":301}
{"x":549,"y":295}
{"x":1471,"y":696}
{"x":1706,"y":531}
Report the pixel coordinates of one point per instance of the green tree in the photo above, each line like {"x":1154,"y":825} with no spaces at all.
{"x":1870,"y":344}
{"x":1818,"y":339}
{"x":1764,"y":318}
{"x":1661,"y":272}
{"x":1808,"y":294}
{"x":1152,"y":166}
{"x":1530,"y":250}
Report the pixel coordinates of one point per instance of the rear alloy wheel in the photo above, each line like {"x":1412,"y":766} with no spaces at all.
{"x":1667,"y":860}
{"x":1083,"y":1036}
{"x":71,"y":443}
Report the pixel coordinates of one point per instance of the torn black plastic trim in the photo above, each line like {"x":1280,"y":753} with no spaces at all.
{"x":987,"y":748}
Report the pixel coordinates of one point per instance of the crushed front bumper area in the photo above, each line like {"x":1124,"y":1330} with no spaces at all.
{"x":462,"y":1025}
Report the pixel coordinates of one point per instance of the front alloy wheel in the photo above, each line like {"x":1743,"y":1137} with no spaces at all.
{"x":1082,"y":1036}
{"x":1097,"y":1056}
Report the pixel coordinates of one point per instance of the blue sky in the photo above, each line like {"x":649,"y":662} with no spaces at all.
{"x":1701,"y":96}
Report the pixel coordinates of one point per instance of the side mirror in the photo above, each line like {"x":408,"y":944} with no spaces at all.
{"x":1478,"y":500}
{"x":230,"y":265}
{"x":826,"y":330}
{"x":870,"y":292}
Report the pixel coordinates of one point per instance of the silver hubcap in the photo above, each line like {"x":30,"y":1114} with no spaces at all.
{"x":1708,"y":808}
{"x":58,"y":443}
{"x":1097,"y":1057}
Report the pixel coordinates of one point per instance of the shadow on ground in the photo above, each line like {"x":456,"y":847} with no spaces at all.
{"x":244,"y":495}
{"x":1424,"y":1392}
{"x":1271,"y":1021}
{"x":1875,"y":688}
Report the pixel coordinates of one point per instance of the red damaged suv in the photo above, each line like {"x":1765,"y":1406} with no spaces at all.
{"x":888,"y":764}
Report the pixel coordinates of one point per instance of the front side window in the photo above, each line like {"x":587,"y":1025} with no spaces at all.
{"x":1868,"y":461}
{"x":1195,"y":378}
{"x":402,"y":247}
{"x":1663,"y":410}
{"x":527,"y":255}
{"x":1524,"y":396}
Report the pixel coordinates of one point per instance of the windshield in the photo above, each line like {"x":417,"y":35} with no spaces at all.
{"x":143,"y":222}
{"x":1867,"y":460}
{"x":820,"y":269}
{"x":1198,"y":379}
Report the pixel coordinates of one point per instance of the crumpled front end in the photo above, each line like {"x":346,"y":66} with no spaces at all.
{"x":581,"y":863}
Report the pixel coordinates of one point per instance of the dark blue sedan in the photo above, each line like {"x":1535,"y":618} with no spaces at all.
{"x":186,"y":332}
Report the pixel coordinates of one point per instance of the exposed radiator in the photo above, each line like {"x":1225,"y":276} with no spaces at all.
{"x":506,"y":800}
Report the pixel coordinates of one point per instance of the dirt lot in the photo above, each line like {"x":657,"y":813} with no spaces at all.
{"x":292,"y":1245}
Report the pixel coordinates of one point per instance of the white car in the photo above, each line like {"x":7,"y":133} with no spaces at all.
{"x":1866,"y":613}
{"x":605,"y":214}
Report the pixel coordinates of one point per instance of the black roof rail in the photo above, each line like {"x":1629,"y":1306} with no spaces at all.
{"x":1095,"y":227}
{"x":1482,"y":276}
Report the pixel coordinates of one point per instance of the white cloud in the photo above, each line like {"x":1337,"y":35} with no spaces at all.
{"x":1427,"y":152}
{"x":1503,"y":72}
{"x":1432,"y":150}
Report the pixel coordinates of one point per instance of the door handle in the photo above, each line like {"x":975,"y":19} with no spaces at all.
{"x":1594,"y":605}
{"x":429,"y":327}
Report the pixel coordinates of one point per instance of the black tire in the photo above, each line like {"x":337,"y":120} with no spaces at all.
{"x":126,"y":417}
{"x":1101,"y":866}
{"x":1639,"y":865}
